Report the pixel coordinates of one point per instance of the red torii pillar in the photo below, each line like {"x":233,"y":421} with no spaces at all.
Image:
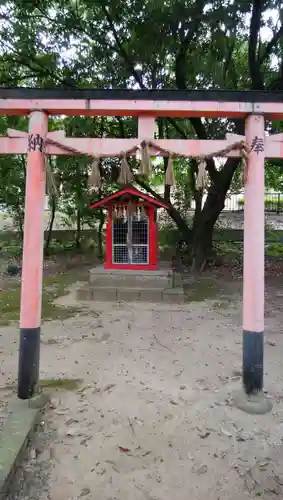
{"x":32,"y":267}
{"x":253,"y":290}
{"x":252,"y":400}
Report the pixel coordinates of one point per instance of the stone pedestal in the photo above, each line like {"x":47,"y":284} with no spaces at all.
{"x":133,"y":286}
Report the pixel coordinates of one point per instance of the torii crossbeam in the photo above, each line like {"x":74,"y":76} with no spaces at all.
{"x":254,"y":107}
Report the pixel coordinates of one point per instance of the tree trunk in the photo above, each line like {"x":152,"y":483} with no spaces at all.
{"x":205,"y":220}
{"x":99,"y":235}
{"x":181,"y":224}
{"x":197,"y":214}
{"x":51,"y":223}
{"x":20,"y":224}
{"x":175,"y":215}
{"x":203,"y":232}
{"x":78,"y":230}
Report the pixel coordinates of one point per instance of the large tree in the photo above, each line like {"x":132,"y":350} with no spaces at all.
{"x":187,"y":44}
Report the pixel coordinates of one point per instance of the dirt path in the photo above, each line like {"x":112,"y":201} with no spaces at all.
{"x":153,"y":419}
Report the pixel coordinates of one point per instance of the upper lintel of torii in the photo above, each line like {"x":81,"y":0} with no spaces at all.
{"x":140,"y":102}
{"x":56,"y":143}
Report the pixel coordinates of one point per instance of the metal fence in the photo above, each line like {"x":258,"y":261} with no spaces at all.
{"x":235,"y":202}
{"x":273,"y":203}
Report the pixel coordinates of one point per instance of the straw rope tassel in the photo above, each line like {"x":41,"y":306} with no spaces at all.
{"x":131,"y":209}
{"x":245,"y":160}
{"x":201,"y":176}
{"x":169,"y":174}
{"x":145,"y":166}
{"x":51,"y":187}
{"x":94,"y":179}
{"x":58,"y":179}
{"x":125,"y":175}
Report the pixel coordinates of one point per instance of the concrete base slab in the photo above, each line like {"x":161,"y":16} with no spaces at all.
{"x":84,"y":293}
{"x":119,"y":278}
{"x":130,"y":294}
{"x":22,"y":419}
{"x":254,"y":404}
{"x":102,"y":293}
{"x":152,"y":295}
{"x":174,"y":296}
{"x":128,"y":285}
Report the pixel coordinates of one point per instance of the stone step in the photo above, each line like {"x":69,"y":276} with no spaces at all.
{"x":130,"y":294}
{"x":131,"y":279}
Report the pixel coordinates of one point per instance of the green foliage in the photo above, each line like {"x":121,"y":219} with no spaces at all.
{"x":13,"y":269}
{"x":53,"y":288}
{"x":275,"y":250}
{"x":168,"y":236}
{"x":146,"y":44}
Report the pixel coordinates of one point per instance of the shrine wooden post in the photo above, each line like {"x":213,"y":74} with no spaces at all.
{"x":32,"y":267}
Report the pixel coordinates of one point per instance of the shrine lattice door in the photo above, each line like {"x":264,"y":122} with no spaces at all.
{"x":130,"y":237}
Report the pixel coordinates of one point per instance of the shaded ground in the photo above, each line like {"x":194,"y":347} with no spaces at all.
{"x":58,"y":274}
{"x":153,"y":416}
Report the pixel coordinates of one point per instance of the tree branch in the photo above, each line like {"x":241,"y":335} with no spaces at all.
{"x":172,"y":211}
{"x":180,"y":78}
{"x":228,"y":60}
{"x":151,"y":191}
{"x":196,"y":122}
{"x":40,"y":70}
{"x":277,"y":84}
{"x":123,"y":52}
{"x":270,"y":46}
{"x":136,"y":75}
{"x":254,"y":63}
{"x":192,"y":32}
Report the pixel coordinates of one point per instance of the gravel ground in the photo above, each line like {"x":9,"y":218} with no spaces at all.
{"x":154,"y":415}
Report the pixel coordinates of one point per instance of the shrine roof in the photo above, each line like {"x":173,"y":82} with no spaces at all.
{"x":128,"y":192}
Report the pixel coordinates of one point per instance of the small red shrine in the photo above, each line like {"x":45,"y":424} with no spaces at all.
{"x":131,"y":231}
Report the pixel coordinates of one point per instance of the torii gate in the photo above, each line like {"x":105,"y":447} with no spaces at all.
{"x":254,"y":107}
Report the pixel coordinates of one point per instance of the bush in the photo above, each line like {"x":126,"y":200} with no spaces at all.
{"x":13,"y":269}
{"x":275,"y":250}
{"x":58,"y":247}
{"x":168,"y":236}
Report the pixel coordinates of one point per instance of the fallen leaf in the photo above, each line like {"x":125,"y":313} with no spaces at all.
{"x":201,"y":470}
{"x":255,"y":474}
{"x":146,"y":453}
{"x":53,"y":403}
{"x":84,"y":492}
{"x":278,"y":480}
{"x":109,"y":387}
{"x":72,"y":432}
{"x":225,"y":432}
{"x":204,"y":435}
{"x":71,"y":421}
{"x":124,"y":450}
